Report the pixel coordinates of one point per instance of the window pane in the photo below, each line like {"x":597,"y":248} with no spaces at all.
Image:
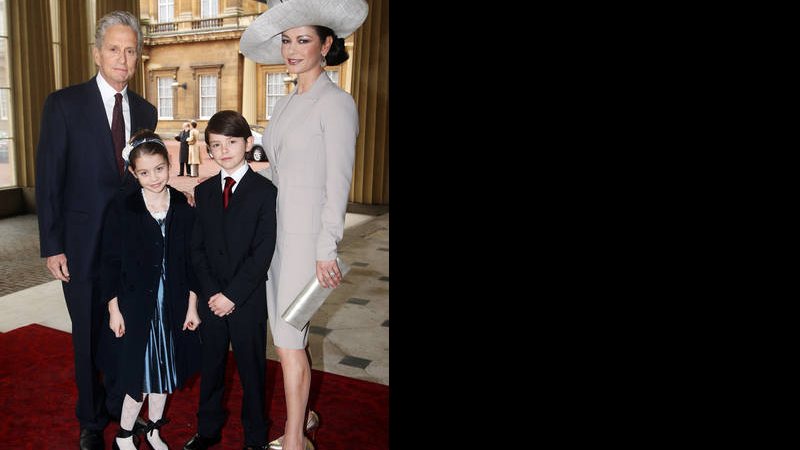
{"x":7,"y":175}
{"x":276,"y":88}
{"x":5,"y":103}
{"x":208,"y":96}
{"x":166,"y":10}
{"x":3,"y":27}
{"x":165,"y":98}
{"x":209,"y":8}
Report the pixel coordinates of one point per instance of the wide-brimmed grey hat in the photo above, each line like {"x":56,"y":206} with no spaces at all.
{"x":261,"y":41}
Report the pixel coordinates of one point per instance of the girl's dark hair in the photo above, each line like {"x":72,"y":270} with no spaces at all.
{"x":228,"y":123}
{"x":337,"y":53}
{"x":145,"y":142}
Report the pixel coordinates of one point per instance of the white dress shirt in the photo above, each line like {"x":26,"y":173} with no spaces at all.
{"x":107,"y":94}
{"x":236,"y":175}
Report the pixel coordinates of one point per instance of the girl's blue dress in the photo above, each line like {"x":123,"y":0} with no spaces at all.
{"x":160,"y":374}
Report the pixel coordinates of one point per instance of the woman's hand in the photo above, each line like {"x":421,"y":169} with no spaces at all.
{"x":115,"y":321}
{"x":328,"y":274}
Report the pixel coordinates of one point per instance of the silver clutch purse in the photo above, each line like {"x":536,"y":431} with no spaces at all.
{"x":308,"y":301}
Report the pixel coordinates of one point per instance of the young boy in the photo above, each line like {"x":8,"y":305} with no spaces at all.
{"x":232,"y":246}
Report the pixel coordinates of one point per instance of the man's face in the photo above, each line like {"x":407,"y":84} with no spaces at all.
{"x":117,"y":57}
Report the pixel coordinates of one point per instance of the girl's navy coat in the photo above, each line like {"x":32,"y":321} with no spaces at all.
{"x":130,"y":270}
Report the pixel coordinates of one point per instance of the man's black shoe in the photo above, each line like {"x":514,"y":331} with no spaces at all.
{"x":198,"y":442}
{"x":91,"y":439}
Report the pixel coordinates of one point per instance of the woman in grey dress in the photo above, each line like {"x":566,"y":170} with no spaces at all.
{"x":310,"y":143}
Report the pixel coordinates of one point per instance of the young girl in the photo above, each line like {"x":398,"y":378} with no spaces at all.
{"x":150,"y":287}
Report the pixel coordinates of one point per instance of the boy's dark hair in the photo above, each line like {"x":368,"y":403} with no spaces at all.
{"x":228,"y":123}
{"x":337,"y":54}
{"x":145,"y":142}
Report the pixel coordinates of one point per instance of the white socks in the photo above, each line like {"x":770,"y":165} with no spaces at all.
{"x":130,"y":411}
{"x":156,"y":412}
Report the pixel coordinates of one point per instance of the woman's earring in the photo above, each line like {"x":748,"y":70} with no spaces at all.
{"x":323,"y":62}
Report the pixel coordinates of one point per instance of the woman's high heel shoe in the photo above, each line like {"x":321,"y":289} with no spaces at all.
{"x":312,"y":424}
{"x":278,"y":443}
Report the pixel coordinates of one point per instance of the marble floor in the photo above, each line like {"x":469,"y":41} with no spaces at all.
{"x":348,"y":336}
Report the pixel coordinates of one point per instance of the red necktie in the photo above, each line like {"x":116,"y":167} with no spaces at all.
{"x":118,"y":131}
{"x":226,"y":193}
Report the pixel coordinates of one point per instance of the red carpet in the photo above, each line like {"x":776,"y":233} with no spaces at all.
{"x":37,"y":401}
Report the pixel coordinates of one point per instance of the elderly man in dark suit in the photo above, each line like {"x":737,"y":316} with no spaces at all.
{"x":79,"y":168}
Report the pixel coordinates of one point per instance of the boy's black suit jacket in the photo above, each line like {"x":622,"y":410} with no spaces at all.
{"x":232,"y":248}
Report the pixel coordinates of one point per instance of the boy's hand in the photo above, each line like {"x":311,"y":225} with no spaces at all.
{"x":220,"y":305}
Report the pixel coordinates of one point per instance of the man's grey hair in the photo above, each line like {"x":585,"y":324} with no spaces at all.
{"x":117,"y":18}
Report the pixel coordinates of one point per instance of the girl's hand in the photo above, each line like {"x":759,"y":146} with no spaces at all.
{"x":116,"y":322}
{"x":192,"y":318}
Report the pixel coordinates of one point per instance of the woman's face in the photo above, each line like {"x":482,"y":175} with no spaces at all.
{"x":302,"y":49}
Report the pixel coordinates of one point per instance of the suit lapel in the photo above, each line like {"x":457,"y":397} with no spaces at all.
{"x":273,"y":147}
{"x":97,"y":117}
{"x":244,"y":185}
{"x":133,"y":101}
{"x":215,"y":199}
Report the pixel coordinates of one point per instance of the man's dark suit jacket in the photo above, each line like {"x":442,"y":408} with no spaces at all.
{"x":232,"y":248}
{"x":76,"y":172}
{"x":183,"y":154}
